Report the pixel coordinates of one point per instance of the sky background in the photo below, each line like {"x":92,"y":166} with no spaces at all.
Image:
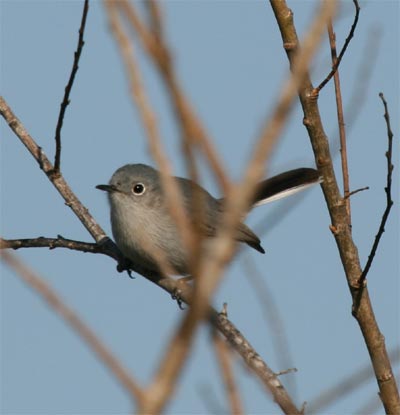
{"x":230,"y":60}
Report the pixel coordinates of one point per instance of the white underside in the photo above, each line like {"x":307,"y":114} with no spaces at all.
{"x":284,"y":193}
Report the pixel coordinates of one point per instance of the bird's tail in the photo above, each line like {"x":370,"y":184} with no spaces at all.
{"x":285,"y":184}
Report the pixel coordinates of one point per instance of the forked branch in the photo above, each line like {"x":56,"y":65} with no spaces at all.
{"x":337,"y":62}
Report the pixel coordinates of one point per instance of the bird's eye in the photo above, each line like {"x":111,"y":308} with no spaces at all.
{"x":138,"y":189}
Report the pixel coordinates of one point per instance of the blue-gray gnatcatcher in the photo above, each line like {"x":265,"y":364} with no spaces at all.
{"x":142,"y":225}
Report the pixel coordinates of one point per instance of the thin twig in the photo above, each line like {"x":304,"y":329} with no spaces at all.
{"x":388,"y":191}
{"x":353,"y":192}
{"x":69,"y":315}
{"x":341,"y":124}
{"x":51,"y":243}
{"x":286,"y":371}
{"x":224,"y":360}
{"x":343,"y":51}
{"x":105,"y":247}
{"x":65,"y":102}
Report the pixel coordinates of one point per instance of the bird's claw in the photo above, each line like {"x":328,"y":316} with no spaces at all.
{"x":176,"y":295}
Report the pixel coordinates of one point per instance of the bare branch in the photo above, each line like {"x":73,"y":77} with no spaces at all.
{"x":388,"y":191}
{"x":253,"y":360}
{"x":341,"y":124}
{"x":343,"y":51}
{"x":65,"y":102}
{"x":353,"y":192}
{"x":337,"y":210}
{"x":51,"y":243}
{"x":70,"y":317}
{"x":105,"y":247}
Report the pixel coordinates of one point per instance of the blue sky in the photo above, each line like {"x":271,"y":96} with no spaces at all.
{"x":230,"y":60}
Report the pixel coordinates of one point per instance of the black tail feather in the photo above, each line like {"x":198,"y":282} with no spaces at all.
{"x":284,"y":184}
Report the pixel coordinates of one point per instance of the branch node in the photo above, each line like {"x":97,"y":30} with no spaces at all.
{"x":314,"y":94}
{"x":333,"y":229}
{"x":356,"y":191}
{"x":288,"y":46}
{"x":54,"y":174}
{"x":285,"y":372}
{"x":385,"y":377}
{"x":322,"y":162}
{"x":224,"y":311}
{"x":335,"y":66}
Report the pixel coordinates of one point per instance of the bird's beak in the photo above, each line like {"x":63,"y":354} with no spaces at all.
{"x":107,"y":188}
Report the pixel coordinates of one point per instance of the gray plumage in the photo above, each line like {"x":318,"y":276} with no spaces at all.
{"x":141,"y":223}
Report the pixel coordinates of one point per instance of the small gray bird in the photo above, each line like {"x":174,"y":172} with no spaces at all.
{"x":142,"y":225}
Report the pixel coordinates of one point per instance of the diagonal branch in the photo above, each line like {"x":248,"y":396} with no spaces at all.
{"x":341,"y":124}
{"x":347,"y":249}
{"x":65,"y":102}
